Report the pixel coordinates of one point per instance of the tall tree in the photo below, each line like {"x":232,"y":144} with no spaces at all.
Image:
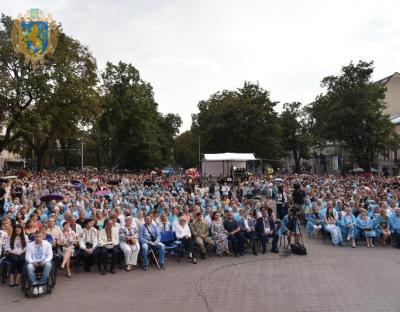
{"x":296,"y":132}
{"x":352,"y":111}
{"x":243,"y":120}
{"x":185,"y":150}
{"x":135,"y":135}
{"x":54,"y":102}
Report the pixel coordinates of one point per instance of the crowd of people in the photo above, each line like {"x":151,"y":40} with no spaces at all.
{"x":119,"y":219}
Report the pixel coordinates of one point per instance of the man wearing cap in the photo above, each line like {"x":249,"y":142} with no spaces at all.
{"x":200,"y":231}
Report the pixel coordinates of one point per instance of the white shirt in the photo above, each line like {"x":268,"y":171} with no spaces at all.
{"x":182,"y":231}
{"x":246,"y":223}
{"x":39,"y":253}
{"x":266,"y":226}
{"x":18,"y":249}
{"x":208,"y":220}
{"x":175,"y":225}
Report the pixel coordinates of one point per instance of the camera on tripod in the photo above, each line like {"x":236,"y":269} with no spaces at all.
{"x":295,"y":211}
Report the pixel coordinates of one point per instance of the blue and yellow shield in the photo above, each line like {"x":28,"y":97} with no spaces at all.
{"x":35,"y":36}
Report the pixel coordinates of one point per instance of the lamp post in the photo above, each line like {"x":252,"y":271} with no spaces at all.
{"x":81,"y":154}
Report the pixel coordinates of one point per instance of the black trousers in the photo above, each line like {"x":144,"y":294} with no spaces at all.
{"x":281,"y":211}
{"x":87,"y":258}
{"x":237,"y":242}
{"x":16,"y":263}
{"x":103,"y":255}
{"x":264,"y":239}
{"x":188,"y":244}
{"x":252,"y":236}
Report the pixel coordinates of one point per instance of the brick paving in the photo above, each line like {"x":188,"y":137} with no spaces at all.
{"x":327,"y":279}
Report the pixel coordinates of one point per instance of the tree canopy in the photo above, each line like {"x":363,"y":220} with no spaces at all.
{"x":242,"y":120}
{"x":131,"y":131}
{"x":352,"y":111}
{"x":296,"y":132}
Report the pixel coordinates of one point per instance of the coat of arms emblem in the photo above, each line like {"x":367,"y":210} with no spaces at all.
{"x":35,"y":36}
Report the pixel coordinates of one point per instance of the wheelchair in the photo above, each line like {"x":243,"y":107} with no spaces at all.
{"x":27,"y":287}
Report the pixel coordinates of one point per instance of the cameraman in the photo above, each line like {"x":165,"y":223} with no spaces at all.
{"x":299,"y":196}
{"x":290,"y":226}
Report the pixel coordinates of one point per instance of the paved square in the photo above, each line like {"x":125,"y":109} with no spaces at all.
{"x":327,"y":279}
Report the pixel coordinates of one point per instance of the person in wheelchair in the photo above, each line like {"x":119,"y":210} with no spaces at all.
{"x":38,"y":256}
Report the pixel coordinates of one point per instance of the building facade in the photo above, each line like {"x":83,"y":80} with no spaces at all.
{"x":9,"y":160}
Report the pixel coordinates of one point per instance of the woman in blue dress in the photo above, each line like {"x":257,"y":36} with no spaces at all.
{"x":348,"y":224}
{"x":330,"y":220}
{"x":365,"y":228}
{"x":314,"y":222}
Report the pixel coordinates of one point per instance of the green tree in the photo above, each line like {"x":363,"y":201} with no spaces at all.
{"x":243,"y":120}
{"x":352,"y":111}
{"x":131,"y":131}
{"x":296,"y":132}
{"x":52,"y":103}
{"x":186,"y":149}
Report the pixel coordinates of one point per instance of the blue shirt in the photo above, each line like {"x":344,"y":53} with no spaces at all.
{"x":144,"y":235}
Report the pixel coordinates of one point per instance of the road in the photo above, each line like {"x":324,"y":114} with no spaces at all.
{"x":327,"y":279}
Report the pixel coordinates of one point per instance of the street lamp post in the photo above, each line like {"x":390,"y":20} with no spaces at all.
{"x":82,"y":154}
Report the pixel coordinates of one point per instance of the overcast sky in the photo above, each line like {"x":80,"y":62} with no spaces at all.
{"x":189,"y":49}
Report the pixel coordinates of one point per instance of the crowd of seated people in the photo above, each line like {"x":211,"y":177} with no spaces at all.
{"x":117,"y":224}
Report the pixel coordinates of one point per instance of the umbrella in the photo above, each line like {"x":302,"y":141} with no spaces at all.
{"x":374,"y":170}
{"x":7,"y":178}
{"x":357,"y":170}
{"x":148,"y":182}
{"x":78,"y":186}
{"x":101,"y":192}
{"x":52,"y":196}
{"x":75,"y":182}
{"x":278,"y":180}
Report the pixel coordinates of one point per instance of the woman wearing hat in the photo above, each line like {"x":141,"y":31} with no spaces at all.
{"x":184,"y":235}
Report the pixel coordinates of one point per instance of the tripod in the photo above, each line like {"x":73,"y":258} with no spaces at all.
{"x":294,"y":225}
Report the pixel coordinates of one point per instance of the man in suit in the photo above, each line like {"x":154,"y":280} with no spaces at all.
{"x":247,"y":228}
{"x":266,"y":228}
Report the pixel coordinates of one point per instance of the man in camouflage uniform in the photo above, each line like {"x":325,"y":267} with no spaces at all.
{"x":201,"y":234}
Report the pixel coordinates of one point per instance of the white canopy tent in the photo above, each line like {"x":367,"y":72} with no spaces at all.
{"x":217,"y":165}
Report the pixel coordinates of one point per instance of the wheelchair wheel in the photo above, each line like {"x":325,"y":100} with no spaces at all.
{"x":53,"y":278}
{"x":26,"y":288}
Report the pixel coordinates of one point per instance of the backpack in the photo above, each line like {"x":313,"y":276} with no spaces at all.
{"x":298,"y":249}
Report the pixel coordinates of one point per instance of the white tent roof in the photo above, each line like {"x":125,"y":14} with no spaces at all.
{"x":229,"y":156}
{"x":395,"y":119}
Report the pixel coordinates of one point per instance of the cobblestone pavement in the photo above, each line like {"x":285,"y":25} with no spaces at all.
{"x":327,"y":279}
